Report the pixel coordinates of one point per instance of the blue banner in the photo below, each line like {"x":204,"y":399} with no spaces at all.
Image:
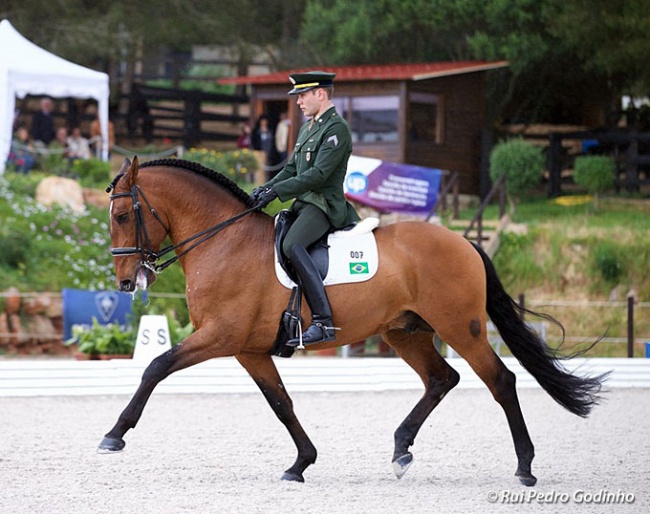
{"x":80,"y":307}
{"x":392,"y":187}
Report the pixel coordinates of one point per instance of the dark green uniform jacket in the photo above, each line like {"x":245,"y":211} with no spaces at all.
{"x":316,"y":169}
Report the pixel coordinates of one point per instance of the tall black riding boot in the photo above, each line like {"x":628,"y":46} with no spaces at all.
{"x":321,"y":328}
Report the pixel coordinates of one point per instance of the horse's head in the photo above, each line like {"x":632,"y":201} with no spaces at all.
{"x":137,"y":231}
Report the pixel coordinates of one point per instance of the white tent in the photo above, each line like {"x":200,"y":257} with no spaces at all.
{"x":26,"y":69}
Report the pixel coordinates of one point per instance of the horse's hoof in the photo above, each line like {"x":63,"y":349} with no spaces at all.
{"x":110,"y":445}
{"x":526,"y":479}
{"x":402,"y":464}
{"x":292,"y":477}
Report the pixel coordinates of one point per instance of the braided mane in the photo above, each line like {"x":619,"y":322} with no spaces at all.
{"x":215,"y":176}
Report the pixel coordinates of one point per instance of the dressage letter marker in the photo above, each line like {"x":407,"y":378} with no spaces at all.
{"x":153,"y":338}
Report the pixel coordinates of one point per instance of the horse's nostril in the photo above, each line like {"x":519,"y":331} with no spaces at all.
{"x":126,"y":285}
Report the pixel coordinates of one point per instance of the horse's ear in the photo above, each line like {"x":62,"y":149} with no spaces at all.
{"x":132,"y":173}
{"x":125,"y":166}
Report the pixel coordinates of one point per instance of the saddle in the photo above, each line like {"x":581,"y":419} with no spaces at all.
{"x":341,"y":256}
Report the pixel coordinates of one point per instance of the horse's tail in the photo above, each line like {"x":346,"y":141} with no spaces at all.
{"x":577,"y":394}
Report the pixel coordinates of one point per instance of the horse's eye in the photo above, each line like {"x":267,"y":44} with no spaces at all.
{"x":122,"y":218}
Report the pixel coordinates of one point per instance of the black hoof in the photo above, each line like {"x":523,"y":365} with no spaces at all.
{"x":526,"y":479}
{"x":110,"y":445}
{"x":292,"y":477}
{"x":402,"y":464}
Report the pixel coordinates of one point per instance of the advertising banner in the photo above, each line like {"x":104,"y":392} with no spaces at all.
{"x":80,"y":307}
{"x":392,"y":187}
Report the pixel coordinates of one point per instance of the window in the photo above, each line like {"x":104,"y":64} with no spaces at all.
{"x":372,"y":118}
{"x":426,"y":117}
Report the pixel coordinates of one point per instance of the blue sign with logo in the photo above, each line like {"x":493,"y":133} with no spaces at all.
{"x":392,"y":187}
{"x":80,"y":307}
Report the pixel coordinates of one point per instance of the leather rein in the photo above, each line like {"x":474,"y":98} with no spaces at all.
{"x":142,"y":246}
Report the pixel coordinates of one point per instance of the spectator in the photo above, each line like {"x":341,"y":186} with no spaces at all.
{"x":59,"y":145}
{"x":78,"y":147}
{"x":282,"y":137}
{"x":21,"y":154}
{"x":42,"y":130}
{"x":244,"y":139}
{"x":96,"y":137}
{"x":263,"y":138}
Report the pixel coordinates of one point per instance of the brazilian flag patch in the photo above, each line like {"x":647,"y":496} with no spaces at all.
{"x":359,"y":268}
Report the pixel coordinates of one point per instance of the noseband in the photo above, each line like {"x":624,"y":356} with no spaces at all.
{"x":142,"y":246}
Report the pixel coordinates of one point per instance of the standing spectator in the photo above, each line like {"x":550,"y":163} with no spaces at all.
{"x":263,"y":138}
{"x":282,"y":137}
{"x":42,"y":131}
{"x":78,"y":147}
{"x":21,"y":154}
{"x":244,"y":139}
{"x":96,"y":137}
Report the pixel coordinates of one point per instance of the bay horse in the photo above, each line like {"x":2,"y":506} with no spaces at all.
{"x":430,"y":280}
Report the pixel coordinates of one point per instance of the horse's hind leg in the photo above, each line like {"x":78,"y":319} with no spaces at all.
{"x":263,"y":371}
{"x":438,"y":377}
{"x":501,"y":383}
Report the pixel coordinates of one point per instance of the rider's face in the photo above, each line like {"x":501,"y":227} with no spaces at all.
{"x":309,"y":102}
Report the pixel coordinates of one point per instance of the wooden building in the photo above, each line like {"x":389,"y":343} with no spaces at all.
{"x":430,"y":114}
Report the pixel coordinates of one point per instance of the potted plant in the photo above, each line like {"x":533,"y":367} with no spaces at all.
{"x":110,"y":341}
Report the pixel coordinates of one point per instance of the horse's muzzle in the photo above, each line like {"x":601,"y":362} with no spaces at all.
{"x":127,"y":286}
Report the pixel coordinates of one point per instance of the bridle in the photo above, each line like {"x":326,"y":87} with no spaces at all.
{"x":142,"y":246}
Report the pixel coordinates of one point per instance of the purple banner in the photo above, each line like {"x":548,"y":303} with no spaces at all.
{"x":392,"y":187}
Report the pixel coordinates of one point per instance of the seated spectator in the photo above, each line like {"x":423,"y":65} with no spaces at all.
{"x":78,"y":147}
{"x":59,"y":145}
{"x":21,"y":154}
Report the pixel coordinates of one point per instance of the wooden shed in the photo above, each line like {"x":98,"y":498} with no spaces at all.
{"x":429,"y":114}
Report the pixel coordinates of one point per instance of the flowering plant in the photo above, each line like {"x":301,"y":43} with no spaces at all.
{"x":238,"y":165}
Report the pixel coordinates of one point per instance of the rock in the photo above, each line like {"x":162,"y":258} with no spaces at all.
{"x":12,"y":301}
{"x":40,"y":328}
{"x":4,"y":330}
{"x":63,"y":191}
{"x":96,"y":198}
{"x":36,"y":305}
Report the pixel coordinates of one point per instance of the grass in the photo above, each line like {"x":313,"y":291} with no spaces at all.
{"x":574,"y":254}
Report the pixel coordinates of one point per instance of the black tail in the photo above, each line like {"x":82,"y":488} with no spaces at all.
{"x":577,"y":394}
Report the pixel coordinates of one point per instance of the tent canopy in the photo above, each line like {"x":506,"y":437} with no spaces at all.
{"x":27,"y":69}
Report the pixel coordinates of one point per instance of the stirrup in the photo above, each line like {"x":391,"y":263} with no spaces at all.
{"x":326,"y":333}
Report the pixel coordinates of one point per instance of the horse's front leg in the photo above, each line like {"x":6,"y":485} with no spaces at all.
{"x":190,"y":352}
{"x":155,"y":372}
{"x":263,"y":371}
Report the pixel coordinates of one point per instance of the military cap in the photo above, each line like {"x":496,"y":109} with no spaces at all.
{"x":309,"y":80}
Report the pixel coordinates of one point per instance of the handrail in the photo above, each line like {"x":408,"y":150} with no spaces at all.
{"x":453,"y":182}
{"x":498,"y":186}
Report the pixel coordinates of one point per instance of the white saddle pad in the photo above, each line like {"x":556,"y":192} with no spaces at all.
{"x":353,"y":256}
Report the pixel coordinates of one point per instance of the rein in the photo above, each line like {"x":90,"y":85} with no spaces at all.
{"x":142,"y":243}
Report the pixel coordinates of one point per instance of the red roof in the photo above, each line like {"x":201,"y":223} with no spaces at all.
{"x":377,"y":72}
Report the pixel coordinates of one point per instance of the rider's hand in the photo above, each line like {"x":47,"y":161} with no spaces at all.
{"x":265,"y":197}
{"x":256,"y":194}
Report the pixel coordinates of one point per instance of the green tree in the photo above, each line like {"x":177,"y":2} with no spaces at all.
{"x":595,"y":173}
{"x":521,"y":163}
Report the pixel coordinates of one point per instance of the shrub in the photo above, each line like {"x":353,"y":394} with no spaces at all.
{"x":236,"y":165}
{"x":521,"y":163}
{"x":16,"y":246}
{"x":595,"y":173}
{"x":607,"y":262}
{"x":93,"y":173}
